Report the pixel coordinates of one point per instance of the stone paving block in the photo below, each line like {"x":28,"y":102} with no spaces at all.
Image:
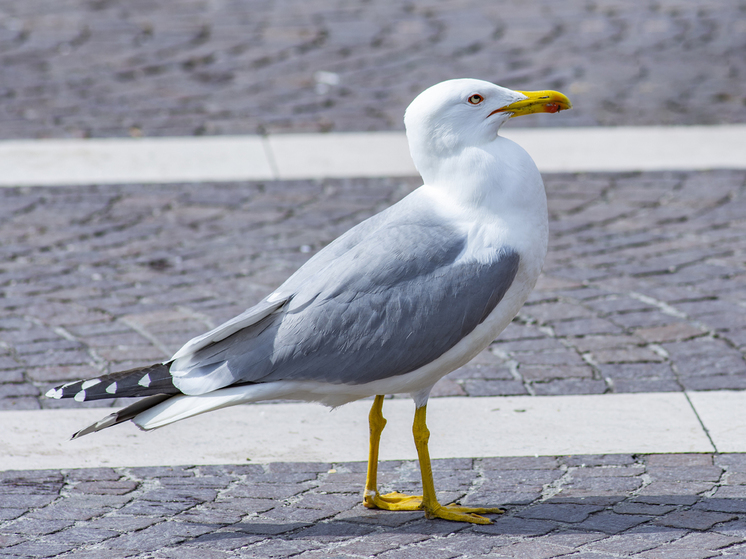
{"x":703,"y":541}
{"x":74,"y":511}
{"x":417,"y":551}
{"x":33,"y":526}
{"x":561,"y":512}
{"x":222,"y":539}
{"x":265,"y":491}
{"x":679,"y":474}
{"x":681,"y":460}
{"x":735,"y":528}
{"x":149,"y":508}
{"x":481,"y":371}
{"x":635,"y":540}
{"x":695,"y":520}
{"x":633,"y":507}
{"x":636,"y":371}
{"x":733,"y":462}
{"x":677,"y":553}
{"x":551,"y":358}
{"x":83,"y":536}
{"x":540,"y":550}
{"x":722,"y":505}
{"x":535,"y":373}
{"x":607,"y":463}
{"x":477,"y":387}
{"x":715,"y":382}
{"x":157,"y":536}
{"x":15,"y":390}
{"x":183,"y":552}
{"x":552,"y":312}
{"x":627,"y":355}
{"x":519,"y":463}
{"x":20,"y":403}
{"x":666,"y":492}
{"x":731,"y":492}
{"x":569,"y":386}
{"x":732,"y":473}
{"x":592,"y":343}
{"x":611,"y":523}
{"x":711,"y":364}
{"x":37,"y":549}
{"x":583,"y":326}
{"x":119,"y":487}
{"x":597,"y":486}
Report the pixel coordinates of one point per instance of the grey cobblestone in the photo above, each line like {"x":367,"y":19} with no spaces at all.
{"x":72,"y":68}
{"x":565,"y":511}
{"x":77,"y":303}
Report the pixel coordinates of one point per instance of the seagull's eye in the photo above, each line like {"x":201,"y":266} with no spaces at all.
{"x":475,"y":99}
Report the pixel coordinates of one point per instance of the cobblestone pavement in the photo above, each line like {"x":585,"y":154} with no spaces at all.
{"x":72,"y":68}
{"x":643,"y":289}
{"x":589,"y":507}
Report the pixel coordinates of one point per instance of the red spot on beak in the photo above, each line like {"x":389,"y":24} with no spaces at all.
{"x":552,"y":108}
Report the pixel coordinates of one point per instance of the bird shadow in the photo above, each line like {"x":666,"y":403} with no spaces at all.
{"x":585,"y":518}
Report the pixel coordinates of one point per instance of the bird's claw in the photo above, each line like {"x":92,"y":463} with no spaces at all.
{"x":393,"y":501}
{"x":457,"y":513}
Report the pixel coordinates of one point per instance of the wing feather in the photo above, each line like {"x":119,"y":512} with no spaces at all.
{"x":392,"y":299}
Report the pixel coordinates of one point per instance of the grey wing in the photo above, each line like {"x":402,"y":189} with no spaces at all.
{"x":394,"y":314}
{"x":335,"y":250}
{"x":390,"y":304}
{"x":248,"y":318}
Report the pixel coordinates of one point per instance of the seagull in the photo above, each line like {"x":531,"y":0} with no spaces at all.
{"x":391,"y":306}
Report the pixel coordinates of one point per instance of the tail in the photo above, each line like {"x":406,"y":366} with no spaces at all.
{"x":165,"y":404}
{"x":163,"y":409}
{"x":145,"y":381}
{"x":154,"y":381}
{"x":125,"y":414}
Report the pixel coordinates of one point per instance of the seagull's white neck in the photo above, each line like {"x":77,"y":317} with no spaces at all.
{"x":497,"y":178}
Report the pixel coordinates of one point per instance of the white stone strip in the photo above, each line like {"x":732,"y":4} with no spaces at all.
{"x":460,"y":427}
{"x":630,"y":148}
{"x":723,"y":413}
{"x":117,"y":161}
{"x":374,"y":154}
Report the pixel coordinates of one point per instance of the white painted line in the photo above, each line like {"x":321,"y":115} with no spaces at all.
{"x":117,"y":161}
{"x":460,"y":427}
{"x":649,"y":148}
{"x":380,"y":154}
{"x":723,"y":413}
{"x":375,"y":154}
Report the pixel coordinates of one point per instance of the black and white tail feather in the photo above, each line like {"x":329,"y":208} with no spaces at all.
{"x":155,"y":382}
{"x":125,"y":414}
{"x":145,"y":381}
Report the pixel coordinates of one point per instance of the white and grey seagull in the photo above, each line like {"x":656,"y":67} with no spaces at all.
{"x":391,"y":306}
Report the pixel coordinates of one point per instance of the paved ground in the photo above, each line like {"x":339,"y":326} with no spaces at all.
{"x":643,"y":289}
{"x":71,"y":68}
{"x":590,"y":507}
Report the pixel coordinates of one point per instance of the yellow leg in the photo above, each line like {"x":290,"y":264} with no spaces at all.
{"x":430,"y":504}
{"x":399,"y":501}
{"x":372,"y":499}
{"x":376,"y":422}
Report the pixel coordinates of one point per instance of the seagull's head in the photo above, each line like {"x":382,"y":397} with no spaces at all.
{"x":456,"y":114}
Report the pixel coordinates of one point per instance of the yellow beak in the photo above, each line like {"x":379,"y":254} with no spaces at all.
{"x":538,"y":102}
